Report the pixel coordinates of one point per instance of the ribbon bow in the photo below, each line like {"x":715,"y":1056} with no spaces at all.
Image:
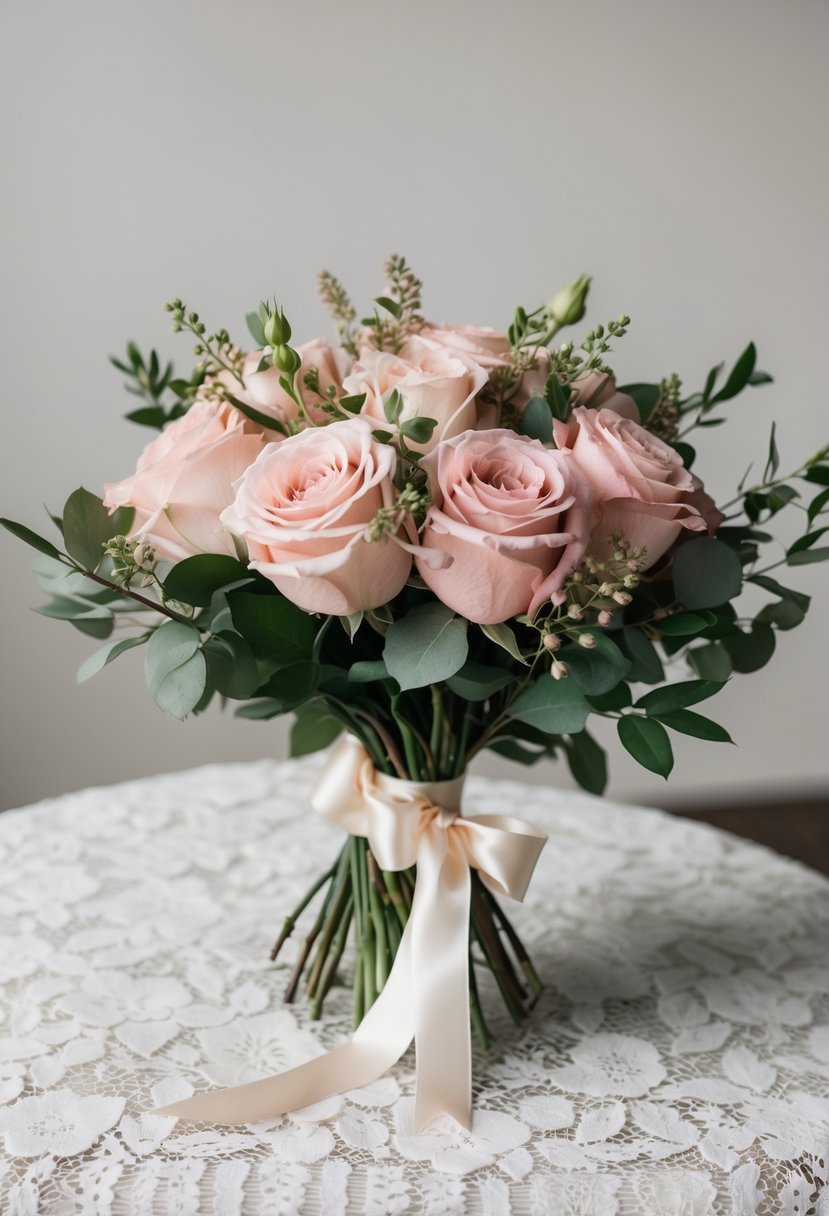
{"x":426,"y":996}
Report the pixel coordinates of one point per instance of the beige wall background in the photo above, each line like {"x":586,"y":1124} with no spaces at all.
{"x":226,"y":152}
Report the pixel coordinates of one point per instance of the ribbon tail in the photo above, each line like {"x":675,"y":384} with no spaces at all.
{"x":379,"y":1041}
{"x":440,"y":955}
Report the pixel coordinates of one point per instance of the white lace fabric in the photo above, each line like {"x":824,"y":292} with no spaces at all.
{"x":677,"y":1063}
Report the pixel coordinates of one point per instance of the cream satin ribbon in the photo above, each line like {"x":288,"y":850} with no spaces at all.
{"x":426,"y":996}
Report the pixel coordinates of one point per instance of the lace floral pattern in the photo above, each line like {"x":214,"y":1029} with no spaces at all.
{"x":678,"y":1062}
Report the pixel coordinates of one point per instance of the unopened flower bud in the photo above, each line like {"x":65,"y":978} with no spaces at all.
{"x":568,"y":305}
{"x":607,"y":589}
{"x":630,"y":580}
{"x":622,"y":597}
{"x":559,"y":670}
{"x":551,"y":641}
{"x":605,"y":617}
{"x":287,"y":359}
{"x":277,"y":330}
{"x":587,"y":641}
{"x":575,"y":612}
{"x":558,"y":598}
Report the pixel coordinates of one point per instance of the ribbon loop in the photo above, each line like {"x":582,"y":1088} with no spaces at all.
{"x":426,"y":996}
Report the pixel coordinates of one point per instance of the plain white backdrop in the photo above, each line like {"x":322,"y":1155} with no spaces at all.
{"x":226,"y":152}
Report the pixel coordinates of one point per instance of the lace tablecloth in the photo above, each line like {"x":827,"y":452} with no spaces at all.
{"x":678,"y":1063}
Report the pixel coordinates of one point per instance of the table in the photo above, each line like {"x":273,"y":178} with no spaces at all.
{"x":678,"y":1062}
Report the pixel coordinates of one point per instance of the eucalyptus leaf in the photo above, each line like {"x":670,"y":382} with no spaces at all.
{"x":711,"y":662}
{"x":504,"y":637}
{"x":537,"y":420}
{"x":557,"y":707}
{"x":273,"y":627}
{"x":599,"y":669}
{"x":231,"y":665}
{"x":196,"y":579}
{"x":313,"y":729}
{"x":175,"y":668}
{"x":706,"y":573}
{"x":88,"y":525}
{"x":647,"y":665}
{"x":426,"y":646}
{"x":751,"y":651}
{"x":477,"y":682}
{"x":100,"y":658}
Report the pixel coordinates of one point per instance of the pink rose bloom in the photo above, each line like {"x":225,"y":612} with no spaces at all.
{"x":303,"y":509}
{"x":184,"y":480}
{"x":487,"y":347}
{"x":598,"y":390}
{"x":490,"y":348}
{"x":644,"y":491}
{"x":266,"y":394}
{"x":433,"y":383}
{"x":513,"y":515}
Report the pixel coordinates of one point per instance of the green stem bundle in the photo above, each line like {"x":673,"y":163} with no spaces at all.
{"x":377,"y":904}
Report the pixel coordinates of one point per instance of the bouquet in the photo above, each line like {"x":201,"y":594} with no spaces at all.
{"x":431,"y":540}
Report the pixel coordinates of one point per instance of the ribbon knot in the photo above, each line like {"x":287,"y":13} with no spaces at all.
{"x":426,"y":996}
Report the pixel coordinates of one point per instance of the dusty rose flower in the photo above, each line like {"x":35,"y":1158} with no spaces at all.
{"x":643,"y":490}
{"x":513,"y":515}
{"x":488,"y":347}
{"x":303,"y":509}
{"x":598,"y":390}
{"x":266,"y":393}
{"x":433,"y":383}
{"x":184,"y":480}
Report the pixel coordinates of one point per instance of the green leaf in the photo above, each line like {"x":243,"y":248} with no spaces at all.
{"x":537,"y":420}
{"x":392,"y":405}
{"x":557,"y":396}
{"x":256,"y":328}
{"x":817,"y":504}
{"x":711,"y":380}
{"x":751,"y":651}
{"x":686,"y":453}
{"x":818,"y":475}
{"x":352,"y":403}
{"x":477,"y":682}
{"x":231,"y":665}
{"x":175,"y":668}
{"x":368,"y":670}
{"x":587,"y":761}
{"x":677,"y":696}
{"x":291,"y":686}
{"x":805,"y":557}
{"x":618,"y":698}
{"x":689,"y":723}
{"x":784,"y":593}
{"x":504,"y":637}
{"x":647,"y":741}
{"x":706,"y":573}
{"x":647,"y":665}
{"x":195,"y":580}
{"x":31,"y":538}
{"x":313,"y":729}
{"x":600,"y":669}
{"x":153,"y":416}
{"x":773,"y":460}
{"x":100,"y":658}
{"x":390,"y":305}
{"x":88,"y":525}
{"x":739,"y":375}
{"x":711,"y":662}
{"x":272,"y":626}
{"x":266,"y":421}
{"x":686,"y":624}
{"x":517,"y":752}
{"x":419,"y":430}
{"x":556,"y":707}
{"x":646,"y":397}
{"x":426,"y":646}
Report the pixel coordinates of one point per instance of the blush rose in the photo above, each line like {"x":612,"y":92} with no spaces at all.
{"x":303,"y":509}
{"x":184,"y":480}
{"x":266,"y":393}
{"x":433,"y":383}
{"x":642,"y":489}
{"x":513,"y":516}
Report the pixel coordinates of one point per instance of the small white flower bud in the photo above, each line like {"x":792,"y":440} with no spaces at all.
{"x":587,"y":641}
{"x":558,"y":598}
{"x":551,"y":641}
{"x":559,"y":670}
{"x":605,"y":617}
{"x":622,"y":597}
{"x":575,"y":612}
